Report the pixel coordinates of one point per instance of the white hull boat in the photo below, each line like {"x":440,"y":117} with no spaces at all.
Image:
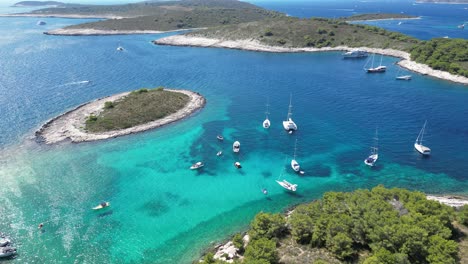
{"x":404,"y":77}
{"x":197,"y":165}
{"x":295,"y":165}
{"x":101,"y":206}
{"x":266,"y":122}
{"x":373,"y":69}
{"x":236,"y":147}
{"x":374,"y":155}
{"x":355,"y":54}
{"x":287,"y":185}
{"x":418,"y":143}
{"x":289,"y":124}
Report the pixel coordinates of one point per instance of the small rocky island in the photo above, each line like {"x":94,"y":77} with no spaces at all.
{"x":121,"y":114}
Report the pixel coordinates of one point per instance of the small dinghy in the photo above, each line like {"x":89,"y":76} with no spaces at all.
{"x":265,"y":191}
{"x":197,"y":165}
{"x":220,"y":138}
{"x":7,"y":252}
{"x":219,"y":153}
{"x":101,"y":206}
{"x":238,"y":165}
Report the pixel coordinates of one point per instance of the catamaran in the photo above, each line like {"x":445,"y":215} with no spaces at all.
{"x":266,"y":122}
{"x":418,"y":143}
{"x":236,"y":146}
{"x":373,"y":69}
{"x":374,"y":155}
{"x":289,"y":124}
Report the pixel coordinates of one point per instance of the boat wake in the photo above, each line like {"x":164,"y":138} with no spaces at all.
{"x":74,"y":83}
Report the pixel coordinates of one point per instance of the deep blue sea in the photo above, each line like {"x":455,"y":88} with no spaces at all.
{"x":162,"y":212}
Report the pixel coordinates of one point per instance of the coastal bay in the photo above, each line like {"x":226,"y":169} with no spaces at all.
{"x":163,"y":212}
{"x":252,"y":45}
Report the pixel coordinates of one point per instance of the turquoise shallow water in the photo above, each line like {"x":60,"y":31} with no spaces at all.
{"x":162,"y":212}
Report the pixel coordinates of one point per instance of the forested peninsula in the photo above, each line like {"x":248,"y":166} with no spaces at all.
{"x":365,"y":226}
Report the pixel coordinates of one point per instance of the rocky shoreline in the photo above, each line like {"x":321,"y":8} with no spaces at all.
{"x":109,"y":16}
{"x":253,"y":45}
{"x":97,"y":32}
{"x":70,"y":125}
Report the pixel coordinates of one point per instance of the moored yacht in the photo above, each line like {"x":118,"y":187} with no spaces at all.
{"x":236,"y":146}
{"x":373,"y":69}
{"x":289,"y":124}
{"x":418,"y":143}
{"x":197,"y":165}
{"x":374,"y":155}
{"x":287,"y":185}
{"x":355,"y":54}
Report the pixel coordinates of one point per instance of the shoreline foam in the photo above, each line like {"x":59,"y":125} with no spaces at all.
{"x":70,"y":125}
{"x":253,"y":45}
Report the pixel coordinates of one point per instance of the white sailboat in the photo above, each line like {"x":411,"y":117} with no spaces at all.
{"x":289,"y":124}
{"x":236,"y":146}
{"x":374,"y":155}
{"x":373,"y":69}
{"x":266,"y":122}
{"x":287,"y":185}
{"x":402,"y":77}
{"x":418,"y":143}
{"x":294,"y":164}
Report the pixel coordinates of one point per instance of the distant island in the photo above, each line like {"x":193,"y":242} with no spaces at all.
{"x":240,"y":25}
{"x":121,"y":114}
{"x":38,"y":3}
{"x":364,"y":226}
{"x":377,"y":16}
{"x":443,"y":1}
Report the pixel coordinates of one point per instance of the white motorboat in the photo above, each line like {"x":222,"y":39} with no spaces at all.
{"x":355,"y":54}
{"x":294,"y":164}
{"x":287,"y":185}
{"x":236,"y":146}
{"x":373,"y":69}
{"x":266,"y":122}
{"x":237,"y":165}
{"x":289,"y":124}
{"x":404,"y":77}
{"x":219,"y":153}
{"x":7,"y":252}
{"x":374,"y":155}
{"x":220,"y":138}
{"x":418,"y":143}
{"x":4,"y":241}
{"x":197,"y":165}
{"x":101,"y":206}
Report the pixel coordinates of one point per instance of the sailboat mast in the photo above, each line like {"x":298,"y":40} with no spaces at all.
{"x":381,"y":57}
{"x":295,"y":149}
{"x":422,"y":132}
{"x":267,"y":105}
{"x":376,"y":142}
{"x":290,"y":107}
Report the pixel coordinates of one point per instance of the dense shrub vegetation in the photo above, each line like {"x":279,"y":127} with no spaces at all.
{"x":443,"y":54}
{"x":314,"y":32}
{"x":139,"y":107}
{"x":366,"y":226}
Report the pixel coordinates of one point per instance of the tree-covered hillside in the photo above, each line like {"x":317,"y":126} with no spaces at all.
{"x":365,"y":226}
{"x":443,"y":54}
